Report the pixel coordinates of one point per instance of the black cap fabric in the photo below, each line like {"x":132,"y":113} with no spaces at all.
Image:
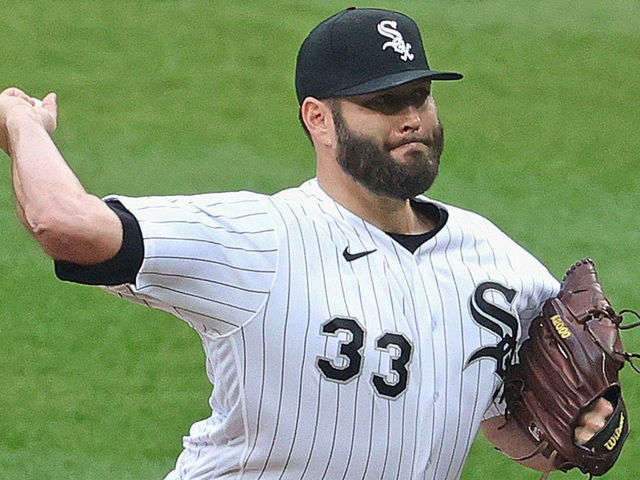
{"x":362,"y":50}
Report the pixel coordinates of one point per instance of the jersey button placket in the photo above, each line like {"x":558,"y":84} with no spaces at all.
{"x":425,"y":327}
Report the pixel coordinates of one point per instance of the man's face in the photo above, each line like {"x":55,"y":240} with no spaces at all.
{"x":395,"y":149}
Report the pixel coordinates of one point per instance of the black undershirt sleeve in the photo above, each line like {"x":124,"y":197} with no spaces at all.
{"x":123,"y":268}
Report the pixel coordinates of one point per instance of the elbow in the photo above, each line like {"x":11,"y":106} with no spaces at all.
{"x":52,"y":234}
{"x":65,"y":244}
{"x":85,"y":233}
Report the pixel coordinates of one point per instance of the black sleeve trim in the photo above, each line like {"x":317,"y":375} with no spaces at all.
{"x":123,"y":268}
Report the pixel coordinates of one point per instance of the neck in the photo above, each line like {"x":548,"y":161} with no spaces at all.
{"x":388,"y":214}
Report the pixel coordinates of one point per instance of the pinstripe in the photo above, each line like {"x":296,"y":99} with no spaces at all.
{"x":304,"y":347}
{"x":384,"y":266}
{"x":355,"y":403}
{"x":205,"y":260}
{"x":445,"y":367}
{"x":403,"y":400}
{"x":232,"y":202}
{"x":206,"y":280}
{"x":480,"y":335}
{"x":326,"y":295}
{"x":335,"y":430}
{"x":418,"y":330}
{"x":170,"y":202}
{"x":372,"y":421}
{"x":258,"y":423}
{"x":211,"y":242}
{"x":459,"y":417}
{"x":244,"y":355}
{"x":193,"y":295}
{"x":177,"y":205}
{"x":238,"y":217}
{"x":210,"y":227}
{"x":286,"y":321}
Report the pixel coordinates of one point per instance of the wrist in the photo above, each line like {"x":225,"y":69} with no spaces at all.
{"x":20,"y":115}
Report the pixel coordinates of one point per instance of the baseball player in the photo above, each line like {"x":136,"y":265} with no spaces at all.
{"x":353,"y":327}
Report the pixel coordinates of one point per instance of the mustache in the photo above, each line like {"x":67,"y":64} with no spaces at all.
{"x":428,"y":141}
{"x":433,"y":139}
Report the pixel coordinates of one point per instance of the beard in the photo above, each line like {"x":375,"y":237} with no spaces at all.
{"x":373,"y":166}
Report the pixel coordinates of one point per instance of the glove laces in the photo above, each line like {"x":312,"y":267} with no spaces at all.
{"x":627,"y":355}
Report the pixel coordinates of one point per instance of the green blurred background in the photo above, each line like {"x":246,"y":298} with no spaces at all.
{"x":165,"y":97}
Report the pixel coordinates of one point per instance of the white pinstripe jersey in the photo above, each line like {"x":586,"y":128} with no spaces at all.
{"x":379,"y":367}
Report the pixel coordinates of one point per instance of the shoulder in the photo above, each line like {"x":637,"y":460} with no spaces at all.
{"x":475,"y":227}
{"x":242,"y":200}
{"x":304,"y":203}
{"x":471,"y":222}
{"x":493,"y":247}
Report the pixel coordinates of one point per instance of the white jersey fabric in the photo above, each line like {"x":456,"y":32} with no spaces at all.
{"x":377,"y":364}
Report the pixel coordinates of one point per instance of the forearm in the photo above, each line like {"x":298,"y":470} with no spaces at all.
{"x":69,"y":224}
{"x":40,"y":174}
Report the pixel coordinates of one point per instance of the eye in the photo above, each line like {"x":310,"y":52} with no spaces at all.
{"x":381,"y":102}
{"x":420,"y":96}
{"x":390,"y":104}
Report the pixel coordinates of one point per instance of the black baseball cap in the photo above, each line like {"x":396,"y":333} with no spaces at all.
{"x":362,"y":50}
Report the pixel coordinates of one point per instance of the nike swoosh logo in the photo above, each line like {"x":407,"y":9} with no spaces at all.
{"x":350,"y":257}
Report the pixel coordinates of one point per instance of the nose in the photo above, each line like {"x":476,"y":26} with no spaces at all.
{"x":411,"y":120}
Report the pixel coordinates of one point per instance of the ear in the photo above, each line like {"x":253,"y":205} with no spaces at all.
{"x":318,"y":119}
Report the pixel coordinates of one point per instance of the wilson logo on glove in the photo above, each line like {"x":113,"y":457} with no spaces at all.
{"x":611,"y":443}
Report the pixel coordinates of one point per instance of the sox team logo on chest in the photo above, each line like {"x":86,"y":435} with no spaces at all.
{"x":497,"y":320}
{"x":388,"y":29}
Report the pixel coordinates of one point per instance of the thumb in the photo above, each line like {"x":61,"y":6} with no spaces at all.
{"x":49,"y":112}
{"x":50,"y":103}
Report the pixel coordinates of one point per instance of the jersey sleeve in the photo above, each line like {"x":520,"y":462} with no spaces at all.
{"x":208,"y":259}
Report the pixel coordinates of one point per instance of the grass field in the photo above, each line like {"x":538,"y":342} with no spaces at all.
{"x":162,"y":97}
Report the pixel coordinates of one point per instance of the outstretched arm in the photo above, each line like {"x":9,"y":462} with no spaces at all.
{"x":69,"y":224}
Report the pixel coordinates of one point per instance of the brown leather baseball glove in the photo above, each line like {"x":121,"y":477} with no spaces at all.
{"x":571,"y":358}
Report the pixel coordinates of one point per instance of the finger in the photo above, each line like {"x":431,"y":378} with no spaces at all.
{"x":16,"y":92}
{"x":599,"y":410}
{"x":50,"y":103}
{"x":49,"y":112}
{"x":582,"y":435}
{"x":594,"y":421}
{"x":605,"y":407}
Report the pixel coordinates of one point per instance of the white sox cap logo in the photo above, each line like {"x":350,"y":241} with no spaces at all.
{"x":388,"y":28}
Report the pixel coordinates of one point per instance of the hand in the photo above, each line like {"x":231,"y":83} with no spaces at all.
{"x":14,"y":100}
{"x":592,"y":420}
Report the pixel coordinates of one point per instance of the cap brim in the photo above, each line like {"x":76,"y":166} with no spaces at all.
{"x":395,"y":80}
